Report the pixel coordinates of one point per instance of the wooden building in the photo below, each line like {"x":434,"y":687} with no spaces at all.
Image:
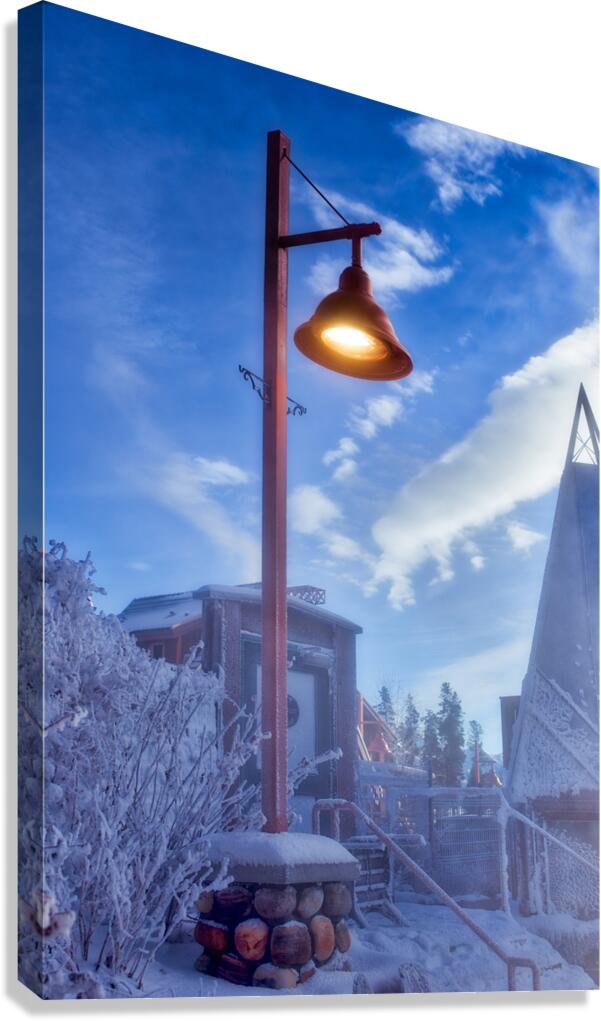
{"x":322,"y":681}
{"x":377,"y":742}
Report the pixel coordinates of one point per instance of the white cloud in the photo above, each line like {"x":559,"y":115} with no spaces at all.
{"x":345,"y":469}
{"x":346,"y":448}
{"x":375,"y":414}
{"x":572,"y":226}
{"x":311,"y":511}
{"x":381,"y":412}
{"x":182,"y":484}
{"x":343,"y":456}
{"x":474,"y":555}
{"x":179,"y":481}
{"x":219,"y":473}
{"x":461,"y":162}
{"x":341,"y":547}
{"x":401,"y":259}
{"x":138,"y":565}
{"x":514,"y":453}
{"x":521,"y":537}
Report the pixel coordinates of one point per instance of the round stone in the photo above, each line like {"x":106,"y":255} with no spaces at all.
{"x":290,"y":943}
{"x":275,"y":902}
{"x":310,"y":901}
{"x":251,"y":938}
{"x":324,"y":940}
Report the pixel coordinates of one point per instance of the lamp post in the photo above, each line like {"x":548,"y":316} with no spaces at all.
{"x":349,"y":333}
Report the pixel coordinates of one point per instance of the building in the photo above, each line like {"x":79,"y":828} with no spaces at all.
{"x":377,"y":742}
{"x":551,"y":732}
{"x":322,"y":681}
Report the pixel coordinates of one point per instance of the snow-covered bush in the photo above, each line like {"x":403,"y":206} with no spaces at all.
{"x":124,"y":769}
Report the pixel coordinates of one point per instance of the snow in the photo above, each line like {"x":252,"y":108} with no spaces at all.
{"x":283,"y":857}
{"x":252,"y":594}
{"x":279,"y":848}
{"x":122,"y":775}
{"x":435,"y":944}
{"x":162,"y":612}
{"x":119,"y":747}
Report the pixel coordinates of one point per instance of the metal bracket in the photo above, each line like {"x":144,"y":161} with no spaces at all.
{"x":295,"y":408}
{"x":263,"y":389}
{"x":259,"y":385}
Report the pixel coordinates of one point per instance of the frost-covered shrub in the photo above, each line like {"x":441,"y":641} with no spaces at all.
{"x":122,"y":774}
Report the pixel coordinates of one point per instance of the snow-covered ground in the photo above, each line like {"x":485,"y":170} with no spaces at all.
{"x":435,"y":942}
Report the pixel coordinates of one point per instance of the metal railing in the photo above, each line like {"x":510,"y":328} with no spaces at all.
{"x":337,"y":805}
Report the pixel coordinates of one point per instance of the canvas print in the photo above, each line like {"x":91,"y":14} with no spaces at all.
{"x":308,"y":564}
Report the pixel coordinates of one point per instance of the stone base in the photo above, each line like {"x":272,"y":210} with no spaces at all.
{"x":286,"y":914}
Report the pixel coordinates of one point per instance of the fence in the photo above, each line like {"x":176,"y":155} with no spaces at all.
{"x":458,"y":825}
{"x":336,"y":806}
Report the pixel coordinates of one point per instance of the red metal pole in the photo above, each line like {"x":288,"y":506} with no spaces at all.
{"x":274,"y":751}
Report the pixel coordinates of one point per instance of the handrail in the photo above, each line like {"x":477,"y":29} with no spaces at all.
{"x":337,"y":805}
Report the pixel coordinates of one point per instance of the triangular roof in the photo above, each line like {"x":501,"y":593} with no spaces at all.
{"x":555,"y":742}
{"x":584,"y":437}
{"x":386,"y":729}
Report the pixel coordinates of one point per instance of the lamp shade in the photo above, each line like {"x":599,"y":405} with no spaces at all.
{"x":349,"y":333}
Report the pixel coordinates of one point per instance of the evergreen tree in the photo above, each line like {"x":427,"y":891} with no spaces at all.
{"x":385,"y":707}
{"x":410,"y":732}
{"x":474,"y":738}
{"x":451,"y":735}
{"x":474,"y":733}
{"x":431,"y":750}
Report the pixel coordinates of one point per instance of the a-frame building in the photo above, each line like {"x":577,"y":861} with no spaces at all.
{"x":554,"y":761}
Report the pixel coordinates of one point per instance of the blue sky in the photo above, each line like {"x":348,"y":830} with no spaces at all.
{"x":423,"y":508}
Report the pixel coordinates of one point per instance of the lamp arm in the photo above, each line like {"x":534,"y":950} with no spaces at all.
{"x":353,"y":232}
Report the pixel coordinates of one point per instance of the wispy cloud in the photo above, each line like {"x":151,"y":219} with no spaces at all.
{"x":138,"y":565}
{"x":474,"y":555}
{"x":461,"y":163}
{"x":572,"y":227}
{"x":219,"y":473}
{"x":343,"y":457}
{"x":522,"y":537}
{"x":185,"y":485}
{"x":376,"y":413}
{"x":190,"y":486}
{"x":313,"y":513}
{"x":515,"y":453}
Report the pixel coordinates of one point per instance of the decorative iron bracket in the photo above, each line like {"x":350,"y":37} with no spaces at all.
{"x":263,"y":390}
{"x":295,"y":408}
{"x":259,"y":385}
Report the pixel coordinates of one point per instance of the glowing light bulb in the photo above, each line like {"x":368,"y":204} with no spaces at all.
{"x":352,"y":343}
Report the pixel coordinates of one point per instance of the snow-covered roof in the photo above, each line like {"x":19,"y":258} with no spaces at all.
{"x":150,"y":613}
{"x":153,"y":613}
{"x":252,"y":594}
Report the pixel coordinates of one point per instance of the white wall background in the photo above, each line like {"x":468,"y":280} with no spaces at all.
{"x":526,"y":70}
